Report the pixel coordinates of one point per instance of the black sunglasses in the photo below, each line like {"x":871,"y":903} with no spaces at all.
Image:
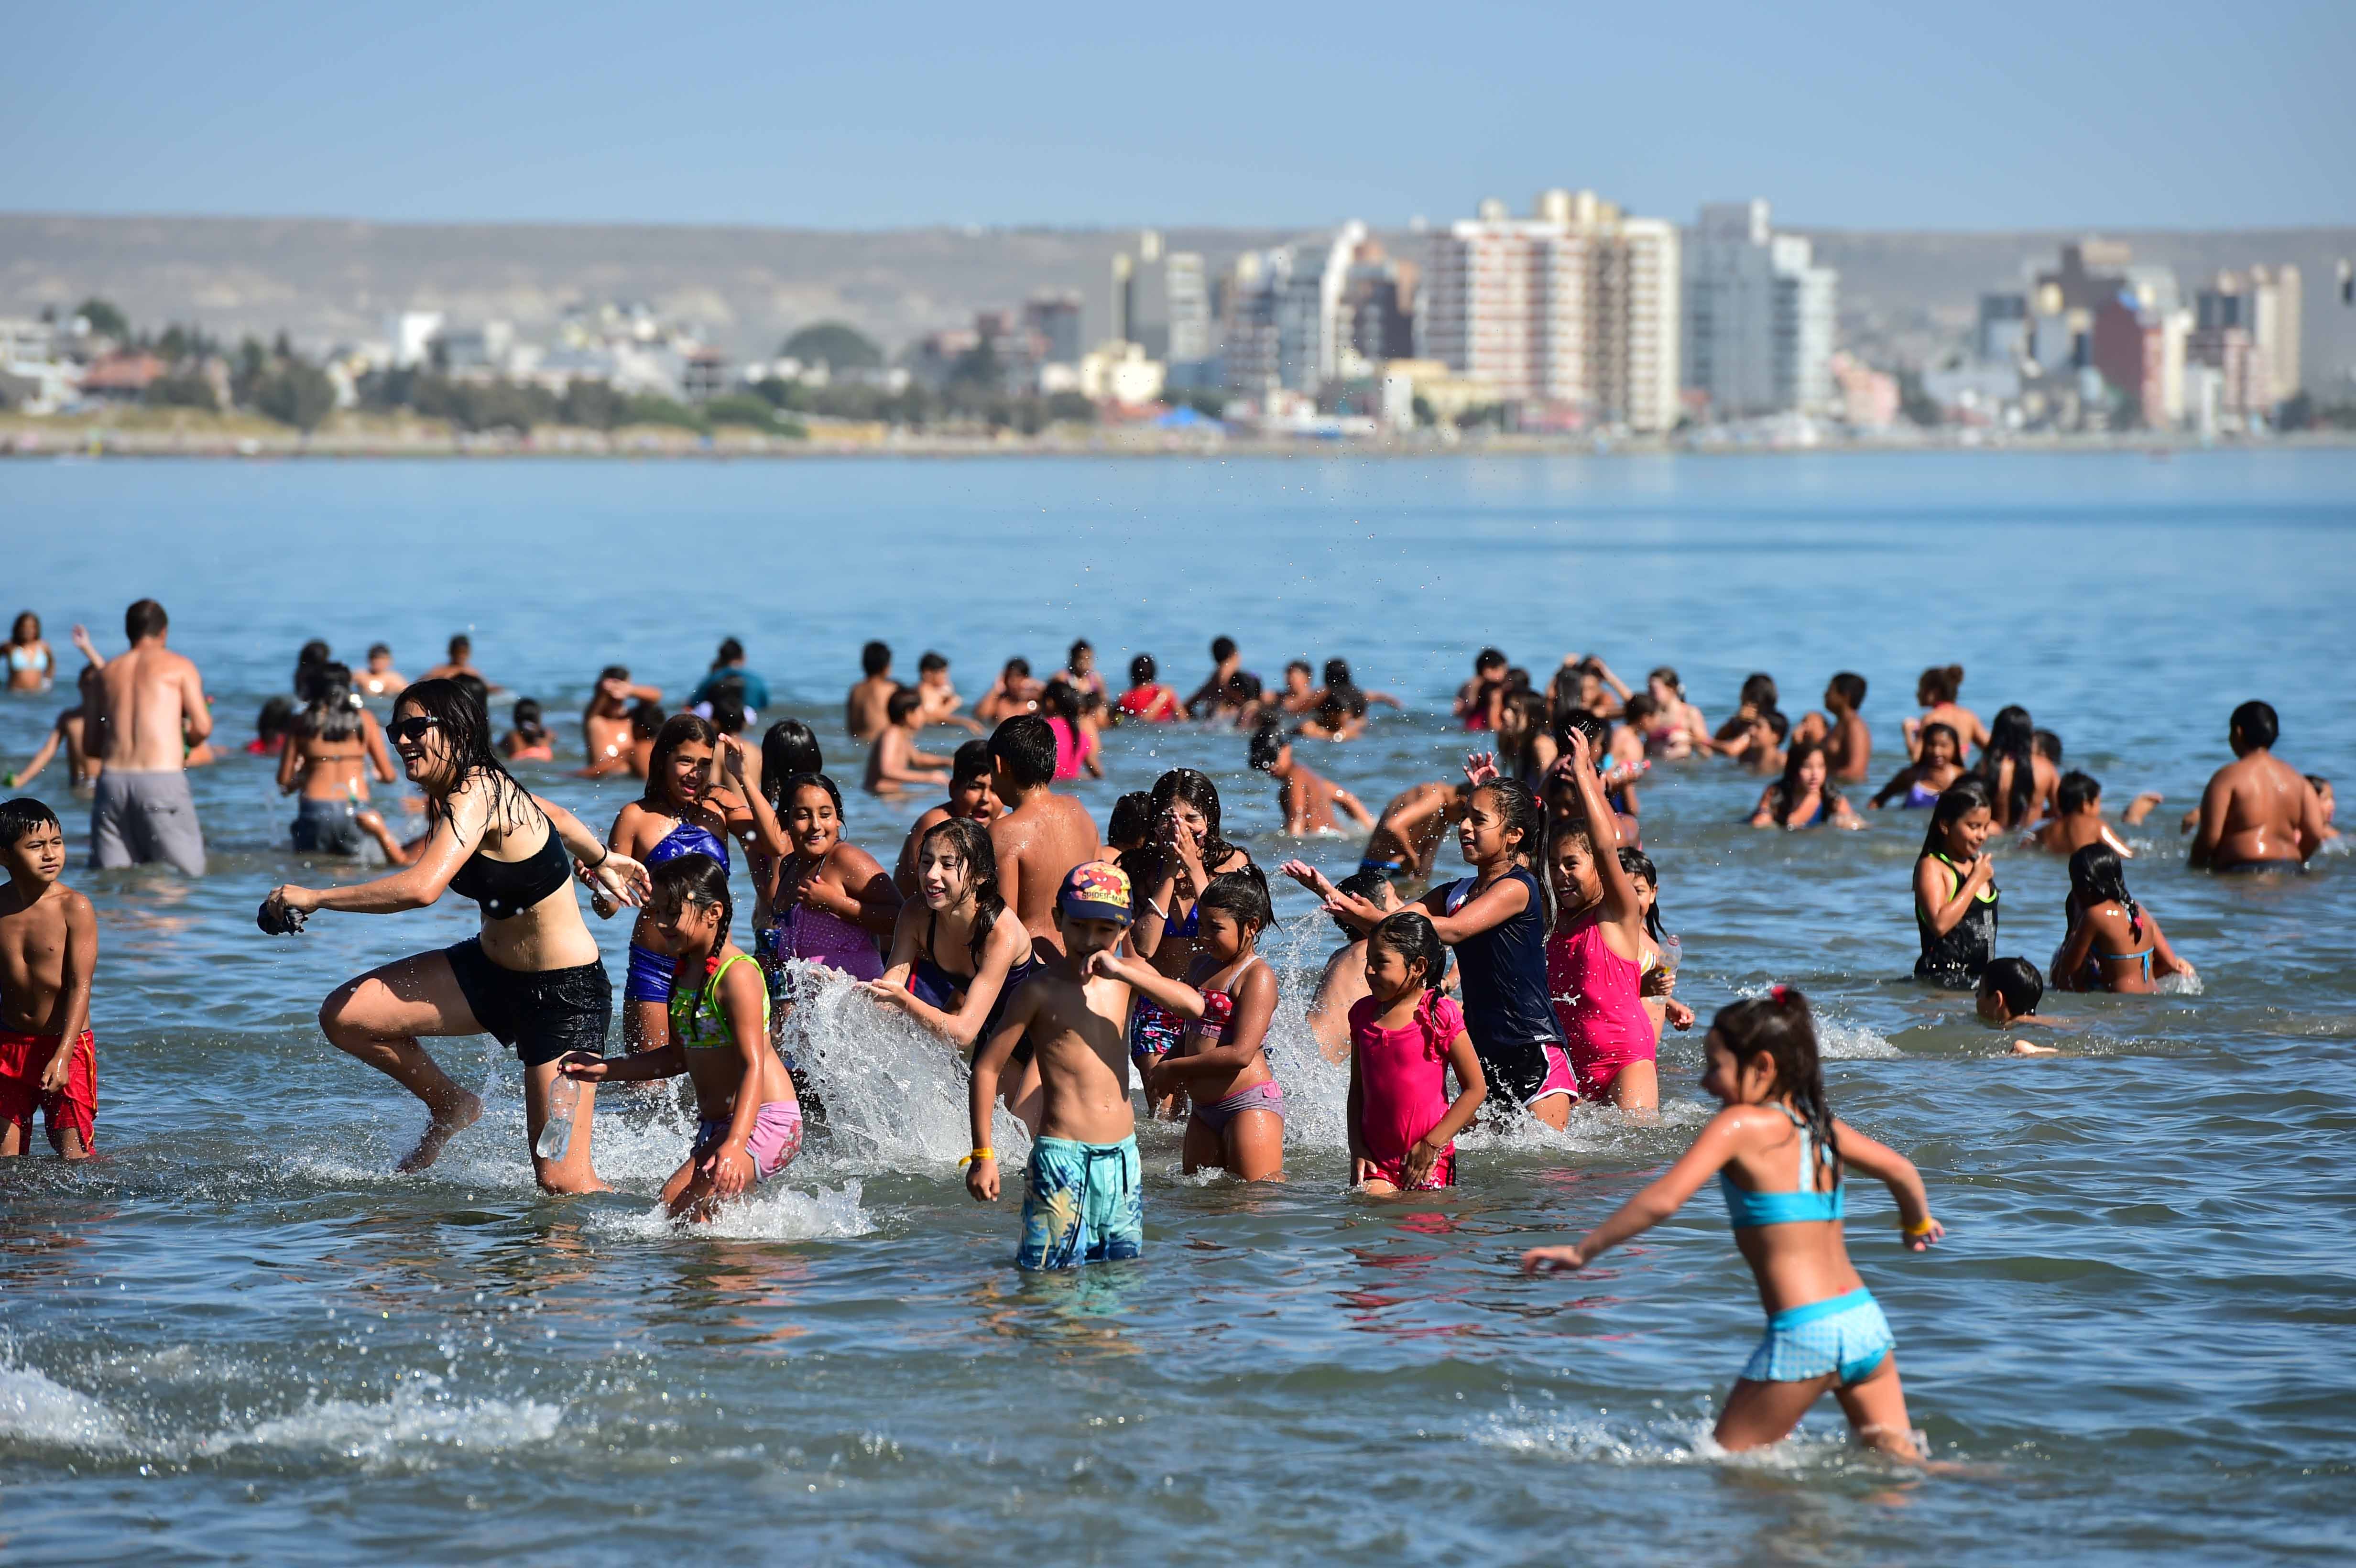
{"x":412,"y":728}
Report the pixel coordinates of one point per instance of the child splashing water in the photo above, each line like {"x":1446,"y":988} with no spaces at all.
{"x":831,"y":900}
{"x":1227,"y":997}
{"x":1825,"y":1331}
{"x":749,"y":1123}
{"x":1404,"y":1036}
{"x":1595,"y":955}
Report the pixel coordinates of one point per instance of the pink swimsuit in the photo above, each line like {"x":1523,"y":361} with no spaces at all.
{"x":1403,"y":1086}
{"x":823,"y":937}
{"x":1596,"y":995}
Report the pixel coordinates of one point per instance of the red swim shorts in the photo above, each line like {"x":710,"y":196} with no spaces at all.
{"x":23,"y":1058}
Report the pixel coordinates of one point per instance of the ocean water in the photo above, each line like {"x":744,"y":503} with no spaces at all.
{"x":240,"y":1336}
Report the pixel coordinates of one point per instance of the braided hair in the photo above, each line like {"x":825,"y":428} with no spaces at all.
{"x":2097,"y":876}
{"x":1780,"y":1027}
{"x":698,"y":881}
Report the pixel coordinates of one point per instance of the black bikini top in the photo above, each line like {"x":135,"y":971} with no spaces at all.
{"x":507,"y":888}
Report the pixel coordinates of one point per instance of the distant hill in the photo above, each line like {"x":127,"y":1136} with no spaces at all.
{"x":326,"y":281}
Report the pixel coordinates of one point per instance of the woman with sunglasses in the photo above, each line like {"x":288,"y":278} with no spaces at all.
{"x":532,"y":977}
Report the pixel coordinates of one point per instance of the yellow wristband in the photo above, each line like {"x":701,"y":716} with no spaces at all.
{"x":1921,"y":1227}
{"x":979,"y":1154}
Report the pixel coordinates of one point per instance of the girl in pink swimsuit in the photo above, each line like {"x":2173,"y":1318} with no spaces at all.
{"x":832,"y":900}
{"x":1594,"y":956}
{"x":1404,"y":1036}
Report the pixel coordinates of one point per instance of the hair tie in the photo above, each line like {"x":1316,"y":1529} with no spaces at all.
{"x":1780,"y":994}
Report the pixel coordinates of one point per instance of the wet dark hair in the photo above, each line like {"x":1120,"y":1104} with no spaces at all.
{"x":1949,"y":732}
{"x":678,"y":730}
{"x":1337,"y":673}
{"x":698,"y":880}
{"x":611,"y":672}
{"x":1639,"y":708}
{"x":527,"y":717}
{"x":1242,"y":686}
{"x":1024,"y":749}
{"x":929,"y":661}
{"x":1143,"y":670}
{"x":875,"y":658}
{"x":333,"y":711}
{"x":17,"y":632}
{"x":1780,"y":1027}
{"x":145,"y":618}
{"x":731,"y":650}
{"x":1267,"y":742}
{"x":2317,"y":783}
{"x":1850,"y":687}
{"x":1072,"y":655}
{"x":376,"y":649}
{"x":2046,"y":745}
{"x":460,"y":643}
{"x":789,"y":748}
{"x":2257,"y":724}
{"x":475,"y":688}
{"x":1366,"y":882}
{"x":647,"y":719}
{"x":1594,"y":725}
{"x":1018,"y":665}
{"x":902,"y":703}
{"x":22,"y":815}
{"x":1939,"y":684}
{"x":1409,"y":933}
{"x":972,"y":844}
{"x":1061,"y":698}
{"x":1489,"y":659}
{"x":1759,"y":690}
{"x":2011,"y":734}
{"x":728,"y":707}
{"x":1530,"y":709}
{"x":1304,"y":666}
{"x":1194,"y":788}
{"x":2017,"y":981}
{"x":2097,"y":876}
{"x":1243,"y":894}
{"x":795,"y":784}
{"x":967,"y":762}
{"x":1668,"y":677}
{"x":1957,"y":801}
{"x":1775,"y":722}
{"x":1636,"y":863}
{"x":2077,"y":792}
{"x":1221,"y":649}
{"x":306,"y":669}
{"x":1131,"y":820}
{"x":1787,"y":790}
{"x":276,"y":718}
{"x":457,"y":712}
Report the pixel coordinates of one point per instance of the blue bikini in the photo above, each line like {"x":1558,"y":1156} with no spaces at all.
{"x":649,"y":976}
{"x":1843,"y":1337}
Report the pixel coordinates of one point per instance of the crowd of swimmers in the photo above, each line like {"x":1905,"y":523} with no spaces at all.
{"x":1055,"y":958}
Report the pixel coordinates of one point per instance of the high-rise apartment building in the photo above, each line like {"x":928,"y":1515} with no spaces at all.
{"x":1759,"y":315}
{"x":1187,"y":295}
{"x":1576,"y":304}
{"x":2263,"y":303}
{"x":1056,"y":317}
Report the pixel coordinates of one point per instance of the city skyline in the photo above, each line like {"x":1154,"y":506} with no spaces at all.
{"x":2011,"y":117}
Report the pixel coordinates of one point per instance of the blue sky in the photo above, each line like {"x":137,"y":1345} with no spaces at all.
{"x":1990,"y":115}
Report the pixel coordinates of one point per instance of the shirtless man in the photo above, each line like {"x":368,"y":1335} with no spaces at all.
{"x":2258,"y":814}
{"x":152,"y":710}
{"x":605,"y":722}
{"x":380,"y":680}
{"x":940,"y":699}
{"x":2078,"y":818}
{"x":1408,"y":833}
{"x":894,"y":764}
{"x":1227,"y":663}
{"x":1042,"y":835}
{"x":1847,"y":743}
{"x":460,"y":662}
{"x":862,"y":709}
{"x":1306,"y":798}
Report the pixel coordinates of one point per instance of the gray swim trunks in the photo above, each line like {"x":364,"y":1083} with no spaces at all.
{"x":137,"y":818}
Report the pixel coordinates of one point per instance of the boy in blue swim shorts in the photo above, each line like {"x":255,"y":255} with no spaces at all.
{"x":1081,"y":1197}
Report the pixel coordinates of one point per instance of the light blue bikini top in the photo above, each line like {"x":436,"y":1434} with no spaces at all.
{"x":1746,"y":1210}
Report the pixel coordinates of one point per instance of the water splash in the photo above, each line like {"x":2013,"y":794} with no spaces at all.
{"x":771,"y":1213}
{"x":422,"y":1414}
{"x":37,"y":1410}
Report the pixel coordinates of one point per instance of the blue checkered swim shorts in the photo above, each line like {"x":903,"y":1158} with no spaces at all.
{"x":1842,"y":1336}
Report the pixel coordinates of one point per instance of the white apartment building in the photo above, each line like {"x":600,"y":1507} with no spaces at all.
{"x":1759,"y":315}
{"x":1576,"y":304}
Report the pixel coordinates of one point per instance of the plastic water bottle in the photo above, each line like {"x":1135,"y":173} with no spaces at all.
{"x":556,"y":1133}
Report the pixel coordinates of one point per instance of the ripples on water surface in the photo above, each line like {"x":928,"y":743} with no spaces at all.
{"x":240,"y":1335}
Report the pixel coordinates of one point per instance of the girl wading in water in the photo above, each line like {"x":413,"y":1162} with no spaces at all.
{"x":532,"y":977}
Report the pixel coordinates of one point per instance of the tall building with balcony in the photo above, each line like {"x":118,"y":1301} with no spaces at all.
{"x":1759,"y":315}
{"x":1577,"y":306}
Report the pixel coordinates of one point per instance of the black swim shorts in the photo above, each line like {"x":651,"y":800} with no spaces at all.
{"x":540,"y":1014}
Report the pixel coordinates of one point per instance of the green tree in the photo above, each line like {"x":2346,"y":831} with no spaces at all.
{"x":103,"y":318}
{"x":1915,"y":403}
{"x":593,"y":404}
{"x":742,"y":408}
{"x":297,"y":393}
{"x":835,"y":344}
{"x":647,"y":408}
{"x":189,"y":392}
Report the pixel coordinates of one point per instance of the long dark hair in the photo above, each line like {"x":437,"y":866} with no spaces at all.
{"x":790,"y":748}
{"x":2097,"y":876}
{"x":677,"y":732}
{"x":972,"y":843}
{"x":1780,"y":1027}
{"x":333,"y":711}
{"x":1957,"y":801}
{"x":1144,"y":864}
{"x":1522,"y":815}
{"x":1410,"y":935}
{"x":466,"y":733}
{"x":1636,"y":863}
{"x":702,"y":882}
{"x":2011,"y":734}
{"x":1787,"y":788}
